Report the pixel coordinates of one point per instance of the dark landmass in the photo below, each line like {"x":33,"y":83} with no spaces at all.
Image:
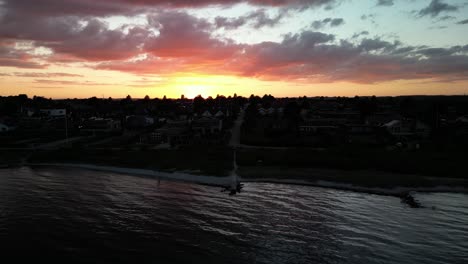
{"x":216,"y":161}
{"x":369,"y":141}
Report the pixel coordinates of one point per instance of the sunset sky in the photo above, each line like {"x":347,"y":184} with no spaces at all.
{"x":112,"y":48}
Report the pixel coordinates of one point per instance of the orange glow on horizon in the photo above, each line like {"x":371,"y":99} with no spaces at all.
{"x":103,"y":83}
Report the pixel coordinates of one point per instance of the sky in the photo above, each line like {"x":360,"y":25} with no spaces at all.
{"x":287,"y":48}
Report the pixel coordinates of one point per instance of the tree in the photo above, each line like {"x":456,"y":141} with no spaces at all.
{"x":292,"y":114}
{"x":198,"y":104}
{"x":23,"y":97}
{"x":367,"y":107}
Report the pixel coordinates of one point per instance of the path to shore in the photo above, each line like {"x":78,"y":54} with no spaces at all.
{"x":234,"y":143}
{"x":235,"y":131}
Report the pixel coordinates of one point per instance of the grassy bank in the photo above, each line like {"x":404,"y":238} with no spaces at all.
{"x":207,"y":161}
{"x":369,"y":167}
{"x":363,"y":178}
{"x":12,"y":157}
{"x":421,"y":162}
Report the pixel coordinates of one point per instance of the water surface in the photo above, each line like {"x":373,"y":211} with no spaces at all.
{"x":94,"y":217}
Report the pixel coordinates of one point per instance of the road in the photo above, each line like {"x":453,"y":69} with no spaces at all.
{"x":236,"y":133}
{"x":236,"y":130}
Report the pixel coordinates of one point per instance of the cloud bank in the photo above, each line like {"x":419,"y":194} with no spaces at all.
{"x":173,"y":40}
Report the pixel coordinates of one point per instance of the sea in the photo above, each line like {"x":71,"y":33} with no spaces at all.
{"x":54,"y":214}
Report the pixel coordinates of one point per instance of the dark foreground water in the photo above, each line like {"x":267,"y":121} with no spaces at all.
{"x":94,"y":217}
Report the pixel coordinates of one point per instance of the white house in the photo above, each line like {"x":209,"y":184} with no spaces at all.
{"x":219,"y":114}
{"x":5,"y":128}
{"x":54,"y":112}
{"x":207,"y":125}
{"x":462,"y":119}
{"x":407,"y":128}
{"x":95,"y":124}
{"x":262,"y":111}
{"x":207,"y":114}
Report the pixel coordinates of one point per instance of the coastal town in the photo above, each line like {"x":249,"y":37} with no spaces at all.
{"x":416,"y":135}
{"x":321,"y":122}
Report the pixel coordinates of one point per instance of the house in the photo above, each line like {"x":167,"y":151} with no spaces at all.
{"x":6,"y":127}
{"x":175,"y":132}
{"x":462,"y":120}
{"x":219,"y":115}
{"x":381,"y":118}
{"x":139,"y":121}
{"x":407,"y":127}
{"x":262,"y":111}
{"x":208,"y":131}
{"x":365,"y":134}
{"x":460,"y":126}
{"x":207,"y":114}
{"x":266,"y":111}
{"x":53,"y":112}
{"x":95,"y":124}
{"x":206,"y":125}
{"x":317,"y":129}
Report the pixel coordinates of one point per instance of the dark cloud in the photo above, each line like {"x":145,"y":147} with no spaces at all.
{"x":175,"y":42}
{"x":87,"y":39}
{"x":148,"y":65}
{"x":183,"y":35}
{"x":127,"y":7}
{"x":436,"y":7}
{"x":369,"y":17}
{"x":65,"y":7}
{"x":437,"y":27}
{"x":385,"y":2}
{"x":378,"y":45}
{"x":96,"y":42}
{"x":191,"y":3}
{"x":446,"y":18}
{"x":362,"y":33}
{"x":256,"y":19}
{"x":10,"y":56}
{"x":313,"y":57}
{"x":463,"y":22}
{"x":307,"y":56}
{"x":332,"y":22}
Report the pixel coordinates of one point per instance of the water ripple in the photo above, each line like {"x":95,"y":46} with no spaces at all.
{"x":110,"y":218}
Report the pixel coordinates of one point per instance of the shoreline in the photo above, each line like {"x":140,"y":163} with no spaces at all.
{"x":226,"y":181}
{"x":174,"y":176}
{"x":393,"y":191}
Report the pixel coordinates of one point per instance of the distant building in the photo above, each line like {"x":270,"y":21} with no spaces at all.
{"x":207,"y":114}
{"x":175,"y":132}
{"x":5,"y":128}
{"x":206,"y":125}
{"x":219,"y":114}
{"x":382,"y":118}
{"x":462,"y":120}
{"x":365,"y":134}
{"x":139,"y":121}
{"x":408,"y":127}
{"x":95,"y":124}
{"x":316,"y":129}
{"x":53,"y":112}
